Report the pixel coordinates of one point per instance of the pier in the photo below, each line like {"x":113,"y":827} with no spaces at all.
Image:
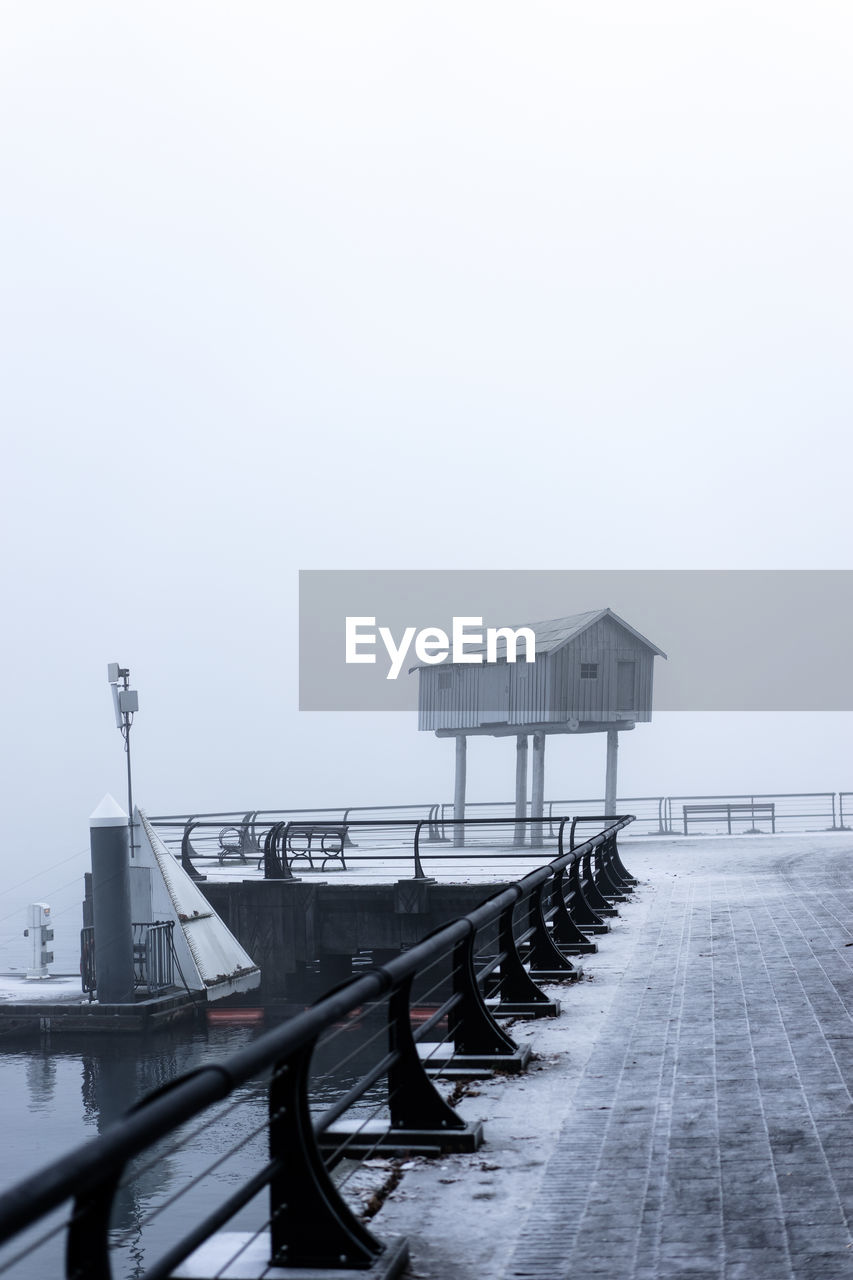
{"x":692,"y":1115}
{"x":686,"y":1112}
{"x":309,"y":891}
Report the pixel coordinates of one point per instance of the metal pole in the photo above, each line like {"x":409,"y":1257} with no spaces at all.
{"x":129,"y":787}
{"x":610,"y":775}
{"x":459,"y":786}
{"x":521,"y":786}
{"x":537,"y":804}
{"x":111,"y":903}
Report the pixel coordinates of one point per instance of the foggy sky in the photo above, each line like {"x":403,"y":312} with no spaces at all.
{"x":373,"y":285}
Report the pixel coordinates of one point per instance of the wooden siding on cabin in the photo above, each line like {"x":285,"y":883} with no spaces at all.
{"x":606,"y":644}
{"x":547,"y":691}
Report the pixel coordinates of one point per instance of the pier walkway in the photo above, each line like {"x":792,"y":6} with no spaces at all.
{"x":690,"y":1112}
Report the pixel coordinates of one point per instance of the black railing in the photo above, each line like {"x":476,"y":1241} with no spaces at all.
{"x":87,"y":961}
{"x":153,"y":957}
{"x":393,"y":1030}
{"x":395,"y":840}
{"x":232,"y":837}
{"x":775,"y":811}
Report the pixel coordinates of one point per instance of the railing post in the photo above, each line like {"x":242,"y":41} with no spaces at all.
{"x":276,"y":863}
{"x":519,"y":994}
{"x":592,"y":893}
{"x":565,"y":933}
{"x":348,"y":842}
{"x":186,"y":857}
{"x":310,"y":1225}
{"x":419,"y":871}
{"x":582,"y":912}
{"x":87,"y":961}
{"x":435,"y":832}
{"x":472,"y":1027}
{"x":87,"y":1244}
{"x":413,"y":1099}
{"x":618,"y":865}
{"x":547,"y":961}
{"x":604,"y":882}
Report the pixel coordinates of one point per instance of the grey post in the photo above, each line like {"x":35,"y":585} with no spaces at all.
{"x":521,"y":787}
{"x":111,"y":903}
{"x":610,"y":777}
{"x":537,"y":802}
{"x":459,"y":786}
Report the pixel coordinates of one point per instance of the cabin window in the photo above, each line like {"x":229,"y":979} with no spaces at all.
{"x":444,"y":679}
{"x":589,"y":671}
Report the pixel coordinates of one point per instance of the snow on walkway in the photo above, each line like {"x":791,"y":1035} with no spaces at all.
{"x":689,"y":1114}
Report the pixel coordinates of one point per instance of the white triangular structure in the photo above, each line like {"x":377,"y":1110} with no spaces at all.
{"x":209,"y":957}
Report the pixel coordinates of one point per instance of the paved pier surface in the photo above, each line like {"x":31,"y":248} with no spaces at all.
{"x":691,"y":1115}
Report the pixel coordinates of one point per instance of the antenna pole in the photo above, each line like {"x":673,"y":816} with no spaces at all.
{"x":126,"y":702}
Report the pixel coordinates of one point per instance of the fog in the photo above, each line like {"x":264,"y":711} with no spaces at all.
{"x":380,"y":286}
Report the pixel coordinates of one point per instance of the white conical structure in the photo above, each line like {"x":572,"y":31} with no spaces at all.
{"x":209,"y":957}
{"x":109,"y":813}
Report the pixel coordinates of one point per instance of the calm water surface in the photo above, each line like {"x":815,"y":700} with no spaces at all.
{"x":65,"y":1090}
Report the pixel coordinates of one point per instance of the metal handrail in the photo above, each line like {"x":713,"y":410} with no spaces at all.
{"x":153,"y":956}
{"x":439,"y":816}
{"x":309,"y":1220}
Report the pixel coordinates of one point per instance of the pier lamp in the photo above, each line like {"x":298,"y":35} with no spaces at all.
{"x":125,"y":703}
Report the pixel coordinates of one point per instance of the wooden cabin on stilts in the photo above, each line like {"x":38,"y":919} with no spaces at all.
{"x":588,"y":673}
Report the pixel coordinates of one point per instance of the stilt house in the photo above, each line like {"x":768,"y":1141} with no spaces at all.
{"x":592,"y":673}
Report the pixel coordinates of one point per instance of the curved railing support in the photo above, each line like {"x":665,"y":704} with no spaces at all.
{"x":187,"y":849}
{"x":547,"y":960}
{"x":310,"y":1225}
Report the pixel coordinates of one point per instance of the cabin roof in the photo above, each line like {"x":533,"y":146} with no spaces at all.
{"x":556,"y":632}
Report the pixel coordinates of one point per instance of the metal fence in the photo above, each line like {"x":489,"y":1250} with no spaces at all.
{"x":153,"y":957}
{"x":231,"y":834}
{"x":419,"y":848}
{"x":648,"y":811}
{"x":756,"y":812}
{"x":432,"y":1011}
{"x":331,"y":838}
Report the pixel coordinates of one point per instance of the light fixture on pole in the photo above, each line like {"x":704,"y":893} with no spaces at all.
{"x":125,"y":703}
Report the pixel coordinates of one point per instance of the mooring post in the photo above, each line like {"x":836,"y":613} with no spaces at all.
{"x":108,"y":832}
{"x":459,"y":788}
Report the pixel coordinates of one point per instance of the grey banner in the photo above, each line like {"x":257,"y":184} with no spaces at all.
{"x":735,"y":640}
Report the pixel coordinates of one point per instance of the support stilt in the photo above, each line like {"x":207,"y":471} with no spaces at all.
{"x":521,"y":787}
{"x":610,"y":775}
{"x":459,"y":787}
{"x":537,"y":806}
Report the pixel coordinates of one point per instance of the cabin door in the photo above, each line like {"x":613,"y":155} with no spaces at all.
{"x":626,"y":680}
{"x":493,"y":700}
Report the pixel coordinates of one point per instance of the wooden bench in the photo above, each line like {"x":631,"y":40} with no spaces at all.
{"x":712,"y":812}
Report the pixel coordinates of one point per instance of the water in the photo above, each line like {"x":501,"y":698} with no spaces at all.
{"x":65,"y":1090}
